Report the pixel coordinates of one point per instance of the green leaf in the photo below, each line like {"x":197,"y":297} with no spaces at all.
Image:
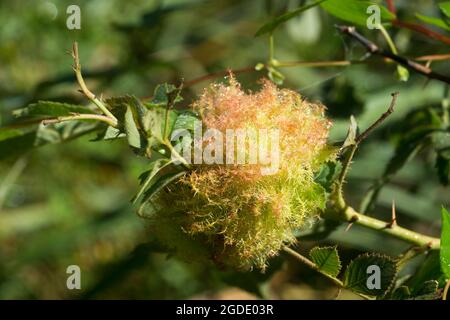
{"x":15,"y":142}
{"x":118,"y":107}
{"x":354,"y":11}
{"x":351,"y":134}
{"x":154,"y":188}
{"x":186,"y":120}
{"x":112,"y":133}
{"x":326,"y":259}
{"x":402,"y":74}
{"x":445,"y":8}
{"x":434,"y":21}
{"x":356,"y":275}
{"x":272,"y":25}
{"x":51,"y":109}
{"x":143,"y":126}
{"x":161,"y":95}
{"x":429,"y":291}
{"x":445,"y":243}
{"x":259,"y":66}
{"x":156,"y":166}
{"x":275,"y":76}
{"x":133,"y":129}
{"x":428,"y":270}
{"x":328,"y":173}
{"x":154,"y":122}
{"x":129,"y":113}
{"x":161,"y":182}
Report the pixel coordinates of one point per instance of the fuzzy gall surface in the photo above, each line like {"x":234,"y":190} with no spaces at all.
{"x":233,"y":214}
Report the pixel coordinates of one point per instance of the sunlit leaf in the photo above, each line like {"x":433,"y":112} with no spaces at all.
{"x":402,"y":73}
{"x":445,"y":8}
{"x":326,"y":259}
{"x":351,"y":133}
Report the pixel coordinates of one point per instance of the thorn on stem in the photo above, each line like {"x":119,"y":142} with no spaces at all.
{"x":352,"y":220}
{"x":393,"y":221}
{"x":348,"y":227}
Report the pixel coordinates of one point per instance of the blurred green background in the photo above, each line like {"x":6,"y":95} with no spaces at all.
{"x":69,"y":204}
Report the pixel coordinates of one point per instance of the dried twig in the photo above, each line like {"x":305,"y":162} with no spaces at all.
{"x":84,"y":88}
{"x":380,"y":120}
{"x":410,"y":64}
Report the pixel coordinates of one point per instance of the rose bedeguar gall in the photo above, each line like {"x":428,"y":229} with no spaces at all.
{"x":233,"y":214}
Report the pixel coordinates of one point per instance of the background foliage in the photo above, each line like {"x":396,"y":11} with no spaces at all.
{"x":70,"y":203}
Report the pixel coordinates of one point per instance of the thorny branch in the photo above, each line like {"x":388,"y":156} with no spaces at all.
{"x":342,"y":212}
